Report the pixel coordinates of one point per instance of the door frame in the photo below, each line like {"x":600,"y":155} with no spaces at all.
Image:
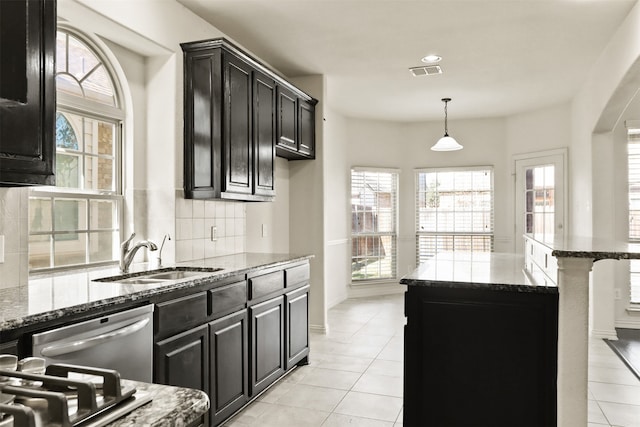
{"x":557,"y":157}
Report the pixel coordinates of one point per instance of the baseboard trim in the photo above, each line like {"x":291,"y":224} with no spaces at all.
{"x":604,"y":334}
{"x":364,"y":291}
{"x":627,"y":324}
{"x":319,"y":329}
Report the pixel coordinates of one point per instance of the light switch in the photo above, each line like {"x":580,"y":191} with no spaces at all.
{"x":265,"y":230}
{"x":214,"y":233}
{"x":1,"y":249}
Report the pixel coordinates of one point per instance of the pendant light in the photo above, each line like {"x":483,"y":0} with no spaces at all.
{"x":446,"y":143}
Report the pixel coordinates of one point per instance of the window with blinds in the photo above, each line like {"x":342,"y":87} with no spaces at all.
{"x":374,"y":212}
{"x":454,"y":211}
{"x":78,"y":222}
{"x":633,"y":147}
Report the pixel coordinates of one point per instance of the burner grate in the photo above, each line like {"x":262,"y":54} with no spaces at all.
{"x":54,"y":398}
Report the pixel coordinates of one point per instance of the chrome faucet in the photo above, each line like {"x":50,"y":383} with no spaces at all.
{"x":126,"y":254}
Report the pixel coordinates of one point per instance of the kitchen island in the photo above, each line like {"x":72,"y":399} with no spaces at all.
{"x":550,"y":265}
{"x":480,"y":343}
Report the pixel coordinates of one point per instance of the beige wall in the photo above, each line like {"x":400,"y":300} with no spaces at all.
{"x":598,"y":166}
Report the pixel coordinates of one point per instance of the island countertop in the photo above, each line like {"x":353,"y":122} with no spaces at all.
{"x":480,"y":270}
{"x":48,"y":297}
{"x":170,"y":406}
{"x":587,"y":247}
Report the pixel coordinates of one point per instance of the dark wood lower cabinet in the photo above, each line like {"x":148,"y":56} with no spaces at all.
{"x":297,"y":326}
{"x":267,"y":343}
{"x":183,"y":360}
{"x":233,"y":338}
{"x":229,"y":365}
{"x":480,"y":357}
{"x":10,"y":347}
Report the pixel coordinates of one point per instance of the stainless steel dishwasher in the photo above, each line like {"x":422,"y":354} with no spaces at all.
{"x":122,"y":341}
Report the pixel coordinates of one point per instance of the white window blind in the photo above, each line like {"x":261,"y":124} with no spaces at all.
{"x":454,"y":211}
{"x":374,"y":212}
{"x":633,"y":146}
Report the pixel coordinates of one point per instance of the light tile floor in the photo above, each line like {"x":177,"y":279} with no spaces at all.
{"x":354,"y":377}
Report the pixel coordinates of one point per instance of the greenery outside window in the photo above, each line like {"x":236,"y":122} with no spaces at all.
{"x":454,"y":211}
{"x":78,"y":222}
{"x":374,"y":212}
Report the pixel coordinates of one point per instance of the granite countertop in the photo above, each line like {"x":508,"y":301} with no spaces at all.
{"x":170,"y":406}
{"x":486,"y":270}
{"x":50,"y":296}
{"x":588,"y":247}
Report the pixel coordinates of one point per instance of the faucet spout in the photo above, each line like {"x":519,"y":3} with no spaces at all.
{"x":127,"y":255}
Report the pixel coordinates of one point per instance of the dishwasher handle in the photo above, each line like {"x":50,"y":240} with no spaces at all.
{"x":72,"y":347}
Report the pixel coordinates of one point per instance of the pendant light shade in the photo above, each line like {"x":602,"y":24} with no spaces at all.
{"x":446,"y":143}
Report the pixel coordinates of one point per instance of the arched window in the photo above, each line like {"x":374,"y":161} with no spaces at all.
{"x":77,"y":222}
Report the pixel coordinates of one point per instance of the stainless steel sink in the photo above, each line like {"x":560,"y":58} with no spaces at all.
{"x":177,"y":275}
{"x":160,"y":277}
{"x":140,"y":281}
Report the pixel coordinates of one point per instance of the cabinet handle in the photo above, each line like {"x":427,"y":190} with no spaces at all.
{"x":59,"y":349}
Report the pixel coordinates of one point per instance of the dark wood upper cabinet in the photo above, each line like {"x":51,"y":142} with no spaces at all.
{"x":234,"y":124}
{"x":237,"y":131}
{"x":296,"y":126}
{"x":306,"y":128}
{"x":264,"y":130}
{"x":287,"y":120}
{"x":27,"y":92}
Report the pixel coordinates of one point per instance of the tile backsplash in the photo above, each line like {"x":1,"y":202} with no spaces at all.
{"x":14,"y":226}
{"x":207,"y":228}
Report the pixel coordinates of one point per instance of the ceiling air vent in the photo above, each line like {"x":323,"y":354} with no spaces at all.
{"x":426,"y":70}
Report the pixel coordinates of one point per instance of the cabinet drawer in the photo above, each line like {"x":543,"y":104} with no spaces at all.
{"x":227,"y":298}
{"x":267,"y":283}
{"x":540,"y":255}
{"x":296,"y":275}
{"x":180,"y":314}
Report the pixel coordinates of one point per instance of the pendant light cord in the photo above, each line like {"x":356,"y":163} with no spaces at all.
{"x":446,"y":132}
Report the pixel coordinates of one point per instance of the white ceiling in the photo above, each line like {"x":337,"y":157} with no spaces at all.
{"x":499,"y":56}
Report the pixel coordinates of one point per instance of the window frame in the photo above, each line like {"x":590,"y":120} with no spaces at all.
{"x":393,"y":234}
{"x":94,"y":110}
{"x":418,"y":234}
{"x":633,"y":138}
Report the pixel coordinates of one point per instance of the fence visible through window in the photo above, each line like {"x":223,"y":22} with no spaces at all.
{"x":454,"y":211}
{"x":373,"y":224}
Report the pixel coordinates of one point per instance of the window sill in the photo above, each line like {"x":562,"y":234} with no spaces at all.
{"x":634,"y":309}
{"x":392,"y":280}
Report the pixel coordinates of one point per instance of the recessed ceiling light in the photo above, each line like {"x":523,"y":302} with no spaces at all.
{"x":430,"y":59}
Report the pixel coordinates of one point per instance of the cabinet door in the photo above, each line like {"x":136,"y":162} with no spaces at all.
{"x":306,"y":129}
{"x":183,"y":360}
{"x":297,"y":326}
{"x":27,"y":116}
{"x":202,"y":125}
{"x":229,"y":365}
{"x":237,"y":133}
{"x":287,"y":120}
{"x":267,"y":343}
{"x":264,"y":122}
{"x":465,"y":350}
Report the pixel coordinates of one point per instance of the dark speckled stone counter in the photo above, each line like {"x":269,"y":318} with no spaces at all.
{"x":169,"y":407}
{"x":588,"y":247}
{"x":489,"y":271}
{"x":52,"y":296}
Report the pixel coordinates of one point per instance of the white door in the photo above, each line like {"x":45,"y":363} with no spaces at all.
{"x":540,"y":195}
